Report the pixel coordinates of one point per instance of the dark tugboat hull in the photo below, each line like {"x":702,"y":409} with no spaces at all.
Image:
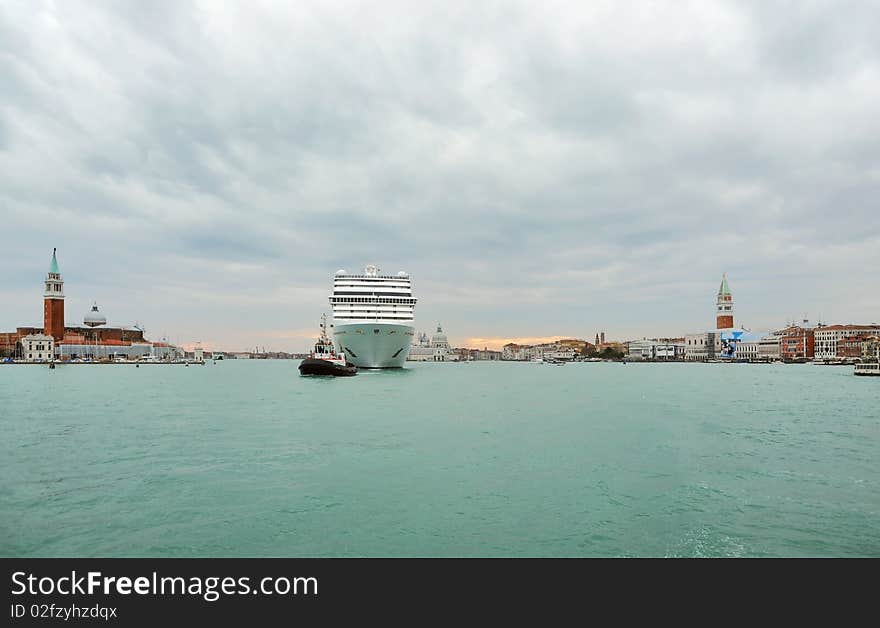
{"x":314,"y":366}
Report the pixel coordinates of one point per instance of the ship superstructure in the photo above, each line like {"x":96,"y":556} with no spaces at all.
{"x":373,"y":317}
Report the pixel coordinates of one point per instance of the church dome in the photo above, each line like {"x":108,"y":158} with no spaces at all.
{"x":94,"y":318}
{"x":439,"y":338}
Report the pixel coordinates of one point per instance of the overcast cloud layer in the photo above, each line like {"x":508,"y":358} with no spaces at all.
{"x":540,"y":169}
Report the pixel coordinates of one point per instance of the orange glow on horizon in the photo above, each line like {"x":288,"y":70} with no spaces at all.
{"x":496,"y":344}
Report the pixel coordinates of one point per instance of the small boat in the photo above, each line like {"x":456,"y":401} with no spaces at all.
{"x":324,"y":360}
{"x":868,"y":368}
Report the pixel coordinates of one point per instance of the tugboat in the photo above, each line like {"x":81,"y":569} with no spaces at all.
{"x":324,"y":360}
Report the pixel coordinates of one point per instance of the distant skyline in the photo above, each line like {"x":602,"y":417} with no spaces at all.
{"x":551,"y":170}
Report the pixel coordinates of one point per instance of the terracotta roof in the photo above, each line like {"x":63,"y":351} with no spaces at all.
{"x":848,"y":327}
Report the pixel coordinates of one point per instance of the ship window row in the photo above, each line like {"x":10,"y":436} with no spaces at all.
{"x":393,"y":308}
{"x":369,"y":289}
{"x":403,"y":316}
{"x":372,"y":300}
{"x":371,"y":284}
{"x":373,"y":305}
{"x":345,"y":280}
{"x":402,"y":308}
{"x":367,"y":293}
{"x":372,"y":318}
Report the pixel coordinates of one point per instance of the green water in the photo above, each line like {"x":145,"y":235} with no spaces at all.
{"x":246,"y":458}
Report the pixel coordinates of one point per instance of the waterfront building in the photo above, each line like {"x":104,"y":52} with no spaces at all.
{"x":421,"y":349}
{"x":434,"y":350}
{"x":669,"y":349}
{"x":97,"y":341}
{"x":871,"y":349}
{"x":10,"y":344}
{"x":850,"y":348}
{"x":93,"y":339}
{"x":827,"y":338}
{"x":730,"y":341}
{"x":78,"y":347}
{"x":757,"y":347}
{"x":697,"y":347}
{"x":513,"y":351}
{"x":640,"y":350}
{"x":564,"y":349}
{"x":720,"y":344}
{"x":656,"y":349}
{"x":717,"y":344}
{"x":557,"y":352}
{"x":770,"y":348}
{"x":619,"y":347}
{"x":797,"y":343}
{"x":748,"y":350}
{"x":575,"y":344}
{"x":38,"y":348}
{"x":477,"y":354}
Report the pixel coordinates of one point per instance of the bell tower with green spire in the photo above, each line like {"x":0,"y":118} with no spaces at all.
{"x":724,"y":306}
{"x":53,"y":302}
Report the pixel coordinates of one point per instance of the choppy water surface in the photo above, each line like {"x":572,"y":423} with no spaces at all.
{"x":246,"y":458}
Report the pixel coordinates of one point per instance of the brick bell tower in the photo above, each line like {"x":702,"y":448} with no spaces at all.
{"x":53,"y":302}
{"x":724,"y":306}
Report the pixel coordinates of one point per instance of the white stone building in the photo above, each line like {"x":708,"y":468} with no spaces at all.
{"x":770,"y":348}
{"x":435,"y":350}
{"x":655,"y":350}
{"x":513,"y":351}
{"x":748,"y":350}
{"x":827,"y":337}
{"x":38,"y":348}
{"x":640,"y":350}
{"x":697,"y":347}
{"x":563,"y":353}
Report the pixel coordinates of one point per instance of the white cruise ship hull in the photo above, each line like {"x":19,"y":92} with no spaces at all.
{"x":374,"y":345}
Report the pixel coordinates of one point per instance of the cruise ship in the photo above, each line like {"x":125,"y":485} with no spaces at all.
{"x":373,"y":317}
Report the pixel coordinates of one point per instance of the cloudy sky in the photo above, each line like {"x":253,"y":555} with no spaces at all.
{"x":539,"y":168}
